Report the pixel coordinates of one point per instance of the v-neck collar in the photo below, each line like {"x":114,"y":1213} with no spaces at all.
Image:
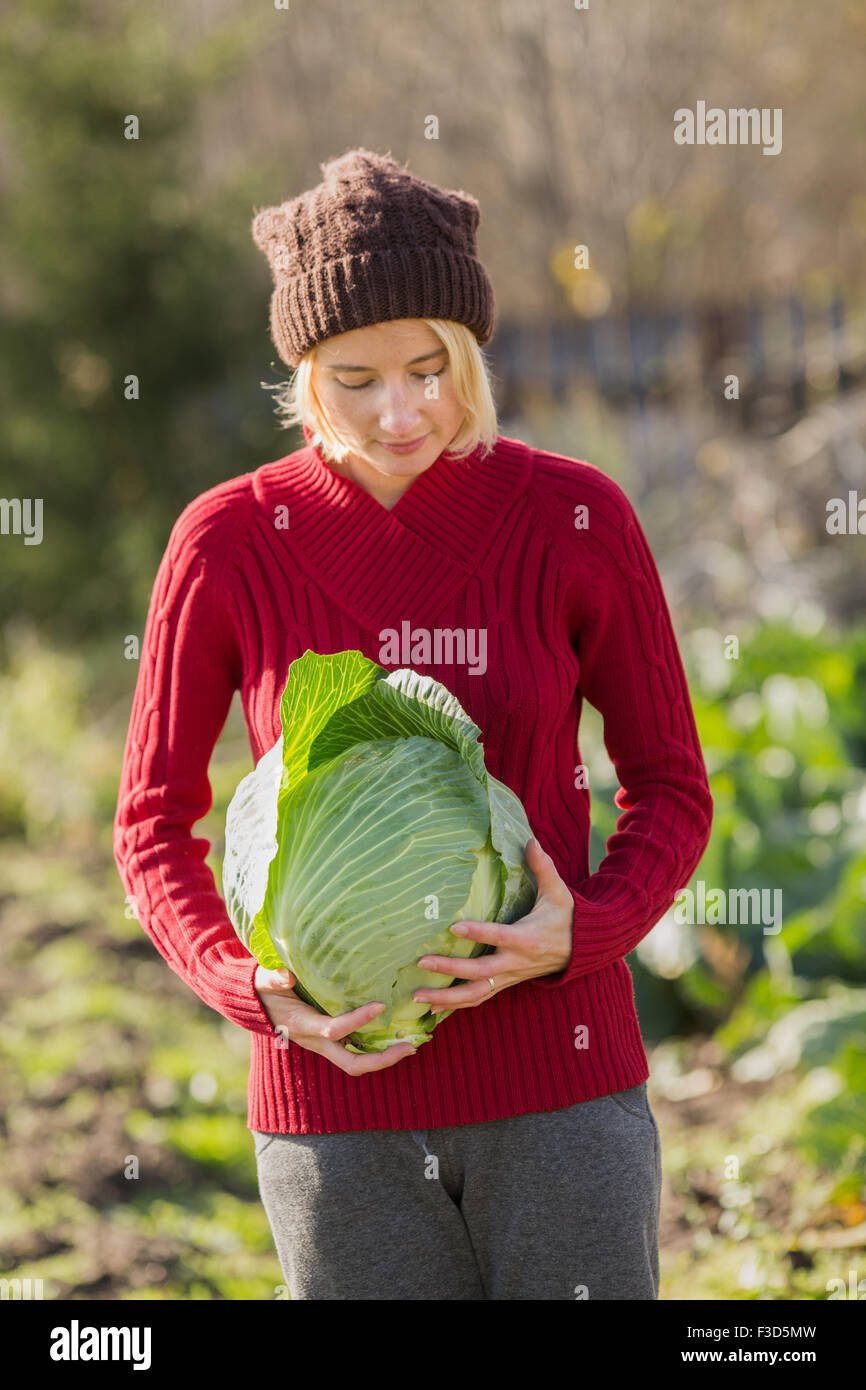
{"x":407,"y":562}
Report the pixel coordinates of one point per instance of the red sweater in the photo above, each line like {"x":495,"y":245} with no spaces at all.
{"x":573,"y":608}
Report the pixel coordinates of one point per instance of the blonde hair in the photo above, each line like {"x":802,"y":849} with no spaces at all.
{"x":299,"y":404}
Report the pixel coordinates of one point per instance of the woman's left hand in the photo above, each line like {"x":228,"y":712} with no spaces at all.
{"x":538,"y":944}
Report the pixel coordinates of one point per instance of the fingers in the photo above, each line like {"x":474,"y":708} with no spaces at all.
{"x":456,"y":995}
{"x":493,"y":933}
{"x":356,"y":1064}
{"x":548,"y":878}
{"x":469,"y":968}
{"x":342,"y":1025}
{"x":304,"y":1022}
{"x":320,"y":1033}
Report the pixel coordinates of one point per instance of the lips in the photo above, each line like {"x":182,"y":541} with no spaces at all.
{"x":406,"y":448}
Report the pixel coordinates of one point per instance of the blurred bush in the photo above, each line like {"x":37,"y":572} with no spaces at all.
{"x":116,"y":266}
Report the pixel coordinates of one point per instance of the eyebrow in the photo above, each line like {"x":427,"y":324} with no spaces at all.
{"x":347,"y":367}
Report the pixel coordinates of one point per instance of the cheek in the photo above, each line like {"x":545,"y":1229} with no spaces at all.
{"x":446,"y":407}
{"x":346,"y":408}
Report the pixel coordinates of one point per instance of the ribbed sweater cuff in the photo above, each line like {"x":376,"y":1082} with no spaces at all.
{"x":237,"y":998}
{"x":597,"y":931}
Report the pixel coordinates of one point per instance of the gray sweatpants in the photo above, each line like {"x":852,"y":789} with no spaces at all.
{"x":558,"y":1205}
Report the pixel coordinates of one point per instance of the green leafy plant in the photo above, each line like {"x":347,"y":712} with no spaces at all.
{"x":363,"y":834}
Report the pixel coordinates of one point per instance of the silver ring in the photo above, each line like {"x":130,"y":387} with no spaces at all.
{"x":491,"y":981}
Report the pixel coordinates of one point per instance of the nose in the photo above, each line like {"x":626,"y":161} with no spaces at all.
{"x":399,"y":417}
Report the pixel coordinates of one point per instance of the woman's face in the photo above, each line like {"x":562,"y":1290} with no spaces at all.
{"x":375,"y":385}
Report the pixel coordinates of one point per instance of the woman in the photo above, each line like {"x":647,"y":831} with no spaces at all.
{"x":515,"y":1155}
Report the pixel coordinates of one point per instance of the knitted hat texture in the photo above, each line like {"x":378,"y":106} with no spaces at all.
{"x":371,"y":242}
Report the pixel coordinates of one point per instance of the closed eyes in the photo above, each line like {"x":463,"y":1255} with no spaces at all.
{"x":422,"y":376}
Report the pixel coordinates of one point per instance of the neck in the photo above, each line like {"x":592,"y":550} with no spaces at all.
{"x":385,"y":488}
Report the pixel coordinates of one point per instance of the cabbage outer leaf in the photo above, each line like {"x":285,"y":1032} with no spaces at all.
{"x":344,"y":719}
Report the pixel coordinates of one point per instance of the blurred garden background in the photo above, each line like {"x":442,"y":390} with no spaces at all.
{"x":132,"y":257}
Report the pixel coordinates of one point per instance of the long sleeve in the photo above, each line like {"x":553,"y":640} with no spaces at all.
{"x":487,"y":543}
{"x":631,"y":672}
{"x":188,"y":673}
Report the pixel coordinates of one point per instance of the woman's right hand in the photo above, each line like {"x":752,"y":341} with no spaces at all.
{"x":304,"y":1025}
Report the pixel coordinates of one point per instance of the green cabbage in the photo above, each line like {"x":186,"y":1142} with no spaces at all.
{"x":358,"y":839}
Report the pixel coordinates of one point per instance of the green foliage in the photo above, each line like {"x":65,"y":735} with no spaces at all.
{"x":128,"y":258}
{"x":118,"y":260}
{"x":783,"y":729}
{"x":104,"y":1053}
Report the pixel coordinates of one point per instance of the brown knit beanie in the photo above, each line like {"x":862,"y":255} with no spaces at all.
{"x":371,"y":242}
